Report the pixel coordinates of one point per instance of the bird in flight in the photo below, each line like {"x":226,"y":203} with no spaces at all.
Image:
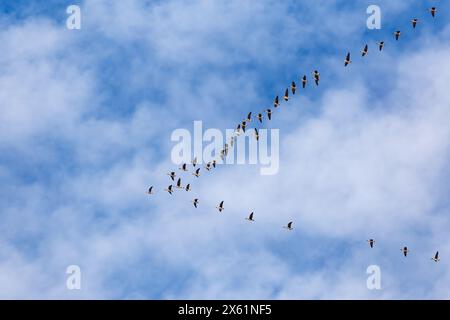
{"x":256,"y":134}
{"x":347,"y":60}
{"x":172,"y":175}
{"x":371,"y":242}
{"x":194,"y":162}
{"x":195,"y":202}
{"x":269,"y":114}
{"x":197,"y":173}
{"x":220,"y":207}
{"x":304,"y":81}
{"x":397,"y":35}
{"x":169,"y":189}
{"x":243,"y":126}
{"x":179,"y":186}
{"x":183,"y":167}
{"x":381,"y":45}
{"x":238,"y":129}
{"x":289,"y":226}
{"x":436,"y":257}
{"x":433,"y":11}
{"x":232,"y":141}
{"x":365,"y":51}
{"x":188,"y":187}
{"x":286,"y":95}
{"x":249,"y":117}
{"x":250,"y":217}
{"x":316,"y":76}
{"x":293,"y":87}
{"x":260,"y":117}
{"x":150,"y":191}
{"x":405,"y":251}
{"x":414,"y":22}
{"x":208,"y":166}
{"x":276,"y":102}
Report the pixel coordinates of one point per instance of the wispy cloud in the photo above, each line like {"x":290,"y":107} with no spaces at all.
{"x":85,"y":128}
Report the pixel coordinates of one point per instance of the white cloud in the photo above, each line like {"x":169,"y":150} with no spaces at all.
{"x":351,"y":168}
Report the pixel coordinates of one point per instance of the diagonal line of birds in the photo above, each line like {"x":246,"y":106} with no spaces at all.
{"x":268,"y":113}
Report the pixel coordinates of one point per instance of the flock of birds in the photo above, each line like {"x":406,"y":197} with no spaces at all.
{"x":243,"y":126}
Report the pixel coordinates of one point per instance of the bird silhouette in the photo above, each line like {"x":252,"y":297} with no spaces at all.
{"x":250,"y":217}
{"x":293,"y":87}
{"x":365,"y":51}
{"x":436,"y":257}
{"x":405,"y":251}
{"x":220,"y":207}
{"x":347,"y":60}
{"x":289,"y":226}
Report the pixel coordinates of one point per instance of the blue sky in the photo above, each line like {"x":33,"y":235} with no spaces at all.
{"x":85,"y":128}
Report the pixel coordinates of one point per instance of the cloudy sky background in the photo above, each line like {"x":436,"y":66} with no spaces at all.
{"x":85,"y":124}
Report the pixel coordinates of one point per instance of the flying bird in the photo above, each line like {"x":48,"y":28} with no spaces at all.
{"x":250,"y":217}
{"x":286,"y":95}
{"x":243,"y":125}
{"x":172,"y":175}
{"x":316,"y":76}
{"x":365,"y":51}
{"x":195,"y":202}
{"x":223,"y":154}
{"x":276,"y":102}
{"x":150,"y":191}
{"x":293,"y":87}
{"x":256,"y":134}
{"x":260,"y":117}
{"x":381,"y":45}
{"x":304,"y":81}
{"x":269,"y":114}
{"x":249,"y":117}
{"x":414,"y":22}
{"x":397,"y":35}
{"x":214,"y":162}
{"x":433,"y":11}
{"x":169,"y":189}
{"x":196,"y":173}
{"x":220,"y":207}
{"x":405,"y":251}
{"x":238,"y":129}
{"x":289,"y":226}
{"x":347,"y":60}
{"x":188,"y":187}
{"x":179,"y":186}
{"x":194,"y":162}
{"x":436,"y":257}
{"x":183,"y":167}
{"x":371,"y":242}
{"x":232,"y":141}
